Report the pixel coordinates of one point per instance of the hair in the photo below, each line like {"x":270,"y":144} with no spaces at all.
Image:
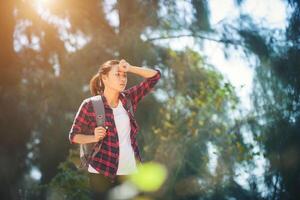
{"x":96,"y":83}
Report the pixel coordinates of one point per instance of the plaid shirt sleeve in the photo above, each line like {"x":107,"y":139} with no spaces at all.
{"x":138,"y":92}
{"x":81,"y":121}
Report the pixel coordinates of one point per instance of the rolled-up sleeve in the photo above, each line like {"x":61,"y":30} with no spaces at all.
{"x":138,"y":92}
{"x":80,"y":123}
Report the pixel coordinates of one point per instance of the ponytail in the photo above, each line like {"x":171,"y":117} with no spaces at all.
{"x":96,"y":85}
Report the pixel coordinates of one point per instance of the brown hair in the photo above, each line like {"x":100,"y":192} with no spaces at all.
{"x":96,"y":83}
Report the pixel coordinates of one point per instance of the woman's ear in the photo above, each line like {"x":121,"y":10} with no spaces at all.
{"x":104,"y":77}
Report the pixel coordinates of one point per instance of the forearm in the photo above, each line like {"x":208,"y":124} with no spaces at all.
{"x":144,"y":72}
{"x":83,"y":139}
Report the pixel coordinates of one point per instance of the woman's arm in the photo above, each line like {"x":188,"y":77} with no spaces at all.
{"x":139,"y":91}
{"x":83,"y":139}
{"x":99,"y":134}
{"x":144,"y":72}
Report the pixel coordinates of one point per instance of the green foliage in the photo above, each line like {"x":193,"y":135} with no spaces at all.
{"x":276,"y":108}
{"x":196,"y":112}
{"x":38,"y":103}
{"x":69,"y":183}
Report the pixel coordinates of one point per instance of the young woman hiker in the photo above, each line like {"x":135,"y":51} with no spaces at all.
{"x":119,"y":154}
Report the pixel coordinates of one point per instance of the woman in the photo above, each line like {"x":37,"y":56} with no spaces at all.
{"x":119,"y":153}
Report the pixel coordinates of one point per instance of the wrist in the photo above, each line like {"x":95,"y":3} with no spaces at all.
{"x":94,"y":139}
{"x":130,"y":67}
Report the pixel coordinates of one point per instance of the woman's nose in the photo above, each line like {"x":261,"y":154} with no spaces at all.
{"x":123,"y":79}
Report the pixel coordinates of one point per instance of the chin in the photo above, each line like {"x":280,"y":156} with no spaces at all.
{"x":123,"y":88}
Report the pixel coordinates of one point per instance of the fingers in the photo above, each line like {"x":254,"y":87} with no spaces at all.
{"x":100,"y":132}
{"x":124,"y":66}
{"x":99,"y":136}
{"x":123,"y":63}
{"x":100,"y":128}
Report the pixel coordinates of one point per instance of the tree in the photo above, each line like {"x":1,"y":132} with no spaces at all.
{"x":276,"y":103}
{"x":52,"y":79}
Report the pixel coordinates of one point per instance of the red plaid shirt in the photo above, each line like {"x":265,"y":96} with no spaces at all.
{"x":106,"y":160}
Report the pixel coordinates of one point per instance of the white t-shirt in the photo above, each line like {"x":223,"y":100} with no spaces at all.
{"x":127,"y":163}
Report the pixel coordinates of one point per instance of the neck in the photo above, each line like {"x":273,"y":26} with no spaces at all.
{"x":112,"y":97}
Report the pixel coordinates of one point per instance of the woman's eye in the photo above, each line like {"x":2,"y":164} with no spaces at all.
{"x":125,"y":76}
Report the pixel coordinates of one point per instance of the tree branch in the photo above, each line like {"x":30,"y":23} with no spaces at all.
{"x":226,"y":41}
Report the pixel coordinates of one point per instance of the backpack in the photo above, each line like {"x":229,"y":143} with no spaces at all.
{"x":87,"y":149}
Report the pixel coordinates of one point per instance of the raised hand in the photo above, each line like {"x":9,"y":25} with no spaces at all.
{"x":124,"y":66}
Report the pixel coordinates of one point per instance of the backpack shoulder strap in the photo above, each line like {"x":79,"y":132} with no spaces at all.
{"x":100,"y":119}
{"x":99,"y":110}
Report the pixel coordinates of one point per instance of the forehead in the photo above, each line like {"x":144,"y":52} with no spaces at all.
{"x":115,"y":69}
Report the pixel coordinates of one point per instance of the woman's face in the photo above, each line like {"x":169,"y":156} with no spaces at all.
{"x":115,"y":80}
